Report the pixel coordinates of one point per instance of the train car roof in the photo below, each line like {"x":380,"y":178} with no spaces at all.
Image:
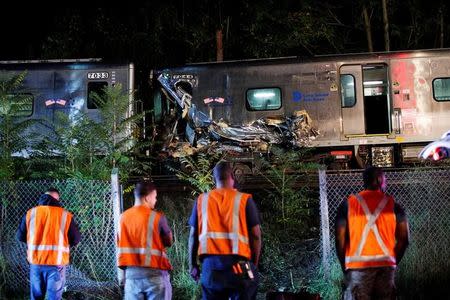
{"x":317,"y":58}
{"x":76,"y":64}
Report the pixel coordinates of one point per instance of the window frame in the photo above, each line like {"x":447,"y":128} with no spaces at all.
{"x":87,"y":92}
{"x":247,"y":102}
{"x":32,"y":104}
{"x":354,"y":90}
{"x":434,"y":94}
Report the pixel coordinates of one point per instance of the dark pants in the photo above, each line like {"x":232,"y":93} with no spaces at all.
{"x":218,"y":281}
{"x":47,"y":280}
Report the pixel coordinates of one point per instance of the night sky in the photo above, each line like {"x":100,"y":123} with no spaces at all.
{"x":162,"y":33}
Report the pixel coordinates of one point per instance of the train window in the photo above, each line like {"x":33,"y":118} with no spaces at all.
{"x":264,"y":99}
{"x":441,"y":89}
{"x":21,"y":104}
{"x":157,"y":106}
{"x":96,"y":87}
{"x":348,"y":90}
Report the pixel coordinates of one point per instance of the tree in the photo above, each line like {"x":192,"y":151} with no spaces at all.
{"x":14,"y":134}
{"x":82,"y":148}
{"x":367,"y":26}
{"x":385,"y":25}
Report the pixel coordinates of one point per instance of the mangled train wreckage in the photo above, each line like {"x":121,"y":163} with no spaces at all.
{"x":357,"y":109}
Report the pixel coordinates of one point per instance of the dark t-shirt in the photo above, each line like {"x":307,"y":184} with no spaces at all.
{"x":164,"y":229}
{"x":342,"y":213}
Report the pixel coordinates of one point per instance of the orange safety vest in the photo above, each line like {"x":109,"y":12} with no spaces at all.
{"x":139,"y":240}
{"x":47,"y":240}
{"x":371,"y":225}
{"x":222,"y":223}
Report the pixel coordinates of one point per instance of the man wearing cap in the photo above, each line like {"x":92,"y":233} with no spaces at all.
{"x":371,"y":237}
{"x":48,"y":230}
{"x":226,"y":237}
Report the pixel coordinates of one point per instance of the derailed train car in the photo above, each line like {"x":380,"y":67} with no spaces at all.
{"x":359,"y":109}
{"x":65,"y":86}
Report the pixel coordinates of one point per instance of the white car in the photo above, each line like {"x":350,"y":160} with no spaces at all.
{"x":437,"y":150}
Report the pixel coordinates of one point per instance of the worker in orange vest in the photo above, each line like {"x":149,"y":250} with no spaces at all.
{"x":372,"y":234}
{"x":143,"y":236}
{"x":48,"y":230}
{"x":226,"y":237}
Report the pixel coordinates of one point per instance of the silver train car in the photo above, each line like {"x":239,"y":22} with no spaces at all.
{"x":65,"y":86}
{"x":378,"y":108}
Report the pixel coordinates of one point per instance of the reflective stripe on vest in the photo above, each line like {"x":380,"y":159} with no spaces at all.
{"x":371,"y":225}
{"x":234,"y":236}
{"x":148,"y":251}
{"x":60,"y":248}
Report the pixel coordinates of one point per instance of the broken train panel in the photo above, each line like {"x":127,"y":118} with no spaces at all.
{"x":372,"y":108}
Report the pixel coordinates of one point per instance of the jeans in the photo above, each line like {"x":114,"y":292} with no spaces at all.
{"x":155,"y":286}
{"x":370,"y":283}
{"x":47,"y":280}
{"x":219,"y":282}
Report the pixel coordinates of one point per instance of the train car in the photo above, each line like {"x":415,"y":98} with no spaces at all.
{"x":378,"y":108}
{"x":65,"y":86}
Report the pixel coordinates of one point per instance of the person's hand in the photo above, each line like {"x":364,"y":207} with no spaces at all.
{"x":195,"y":273}
{"x":121,"y":277}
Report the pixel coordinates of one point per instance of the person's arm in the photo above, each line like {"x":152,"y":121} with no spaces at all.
{"x":166,"y":233}
{"x":401,"y":233}
{"x":341,"y":233}
{"x":73,"y":235}
{"x":21,"y":233}
{"x":193,"y":244}
{"x":193,"y":252}
{"x":254,"y":232}
{"x":255,"y":243}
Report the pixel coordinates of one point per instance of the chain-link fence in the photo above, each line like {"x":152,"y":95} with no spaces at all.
{"x":92,"y":270}
{"x":425,"y":196}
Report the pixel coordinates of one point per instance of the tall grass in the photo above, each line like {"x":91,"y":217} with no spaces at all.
{"x":424,"y":272}
{"x":327,"y":283}
{"x":177,"y":208}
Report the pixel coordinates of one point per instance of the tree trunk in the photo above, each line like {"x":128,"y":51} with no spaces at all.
{"x":219,"y":43}
{"x":386,"y":25}
{"x":441,"y":21}
{"x":367,"y":27}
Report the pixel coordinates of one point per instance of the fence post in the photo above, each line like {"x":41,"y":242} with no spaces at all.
{"x":324,"y":222}
{"x":116,"y":197}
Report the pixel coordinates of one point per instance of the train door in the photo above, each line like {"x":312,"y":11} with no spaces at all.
{"x":365,"y":100}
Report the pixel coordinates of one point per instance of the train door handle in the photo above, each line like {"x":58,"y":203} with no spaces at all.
{"x":397,"y":117}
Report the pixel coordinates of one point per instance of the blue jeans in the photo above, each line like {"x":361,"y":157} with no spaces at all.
{"x":47,"y":280}
{"x":155,"y":286}
{"x":218,"y":281}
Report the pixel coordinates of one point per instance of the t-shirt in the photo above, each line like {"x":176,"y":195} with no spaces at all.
{"x":164,"y":228}
{"x":342,"y":213}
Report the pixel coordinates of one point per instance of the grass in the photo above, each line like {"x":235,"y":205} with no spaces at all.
{"x":327,"y":284}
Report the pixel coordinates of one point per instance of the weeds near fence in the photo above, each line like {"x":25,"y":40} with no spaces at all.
{"x":197,"y":171}
{"x":328,"y":283}
{"x":3,"y":270}
{"x":288,"y":222}
{"x":178,"y":209}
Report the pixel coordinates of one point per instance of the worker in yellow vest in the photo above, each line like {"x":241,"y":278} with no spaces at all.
{"x":143,"y":236}
{"x":372,"y":234}
{"x":49,"y":230}
{"x":226,"y":237}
